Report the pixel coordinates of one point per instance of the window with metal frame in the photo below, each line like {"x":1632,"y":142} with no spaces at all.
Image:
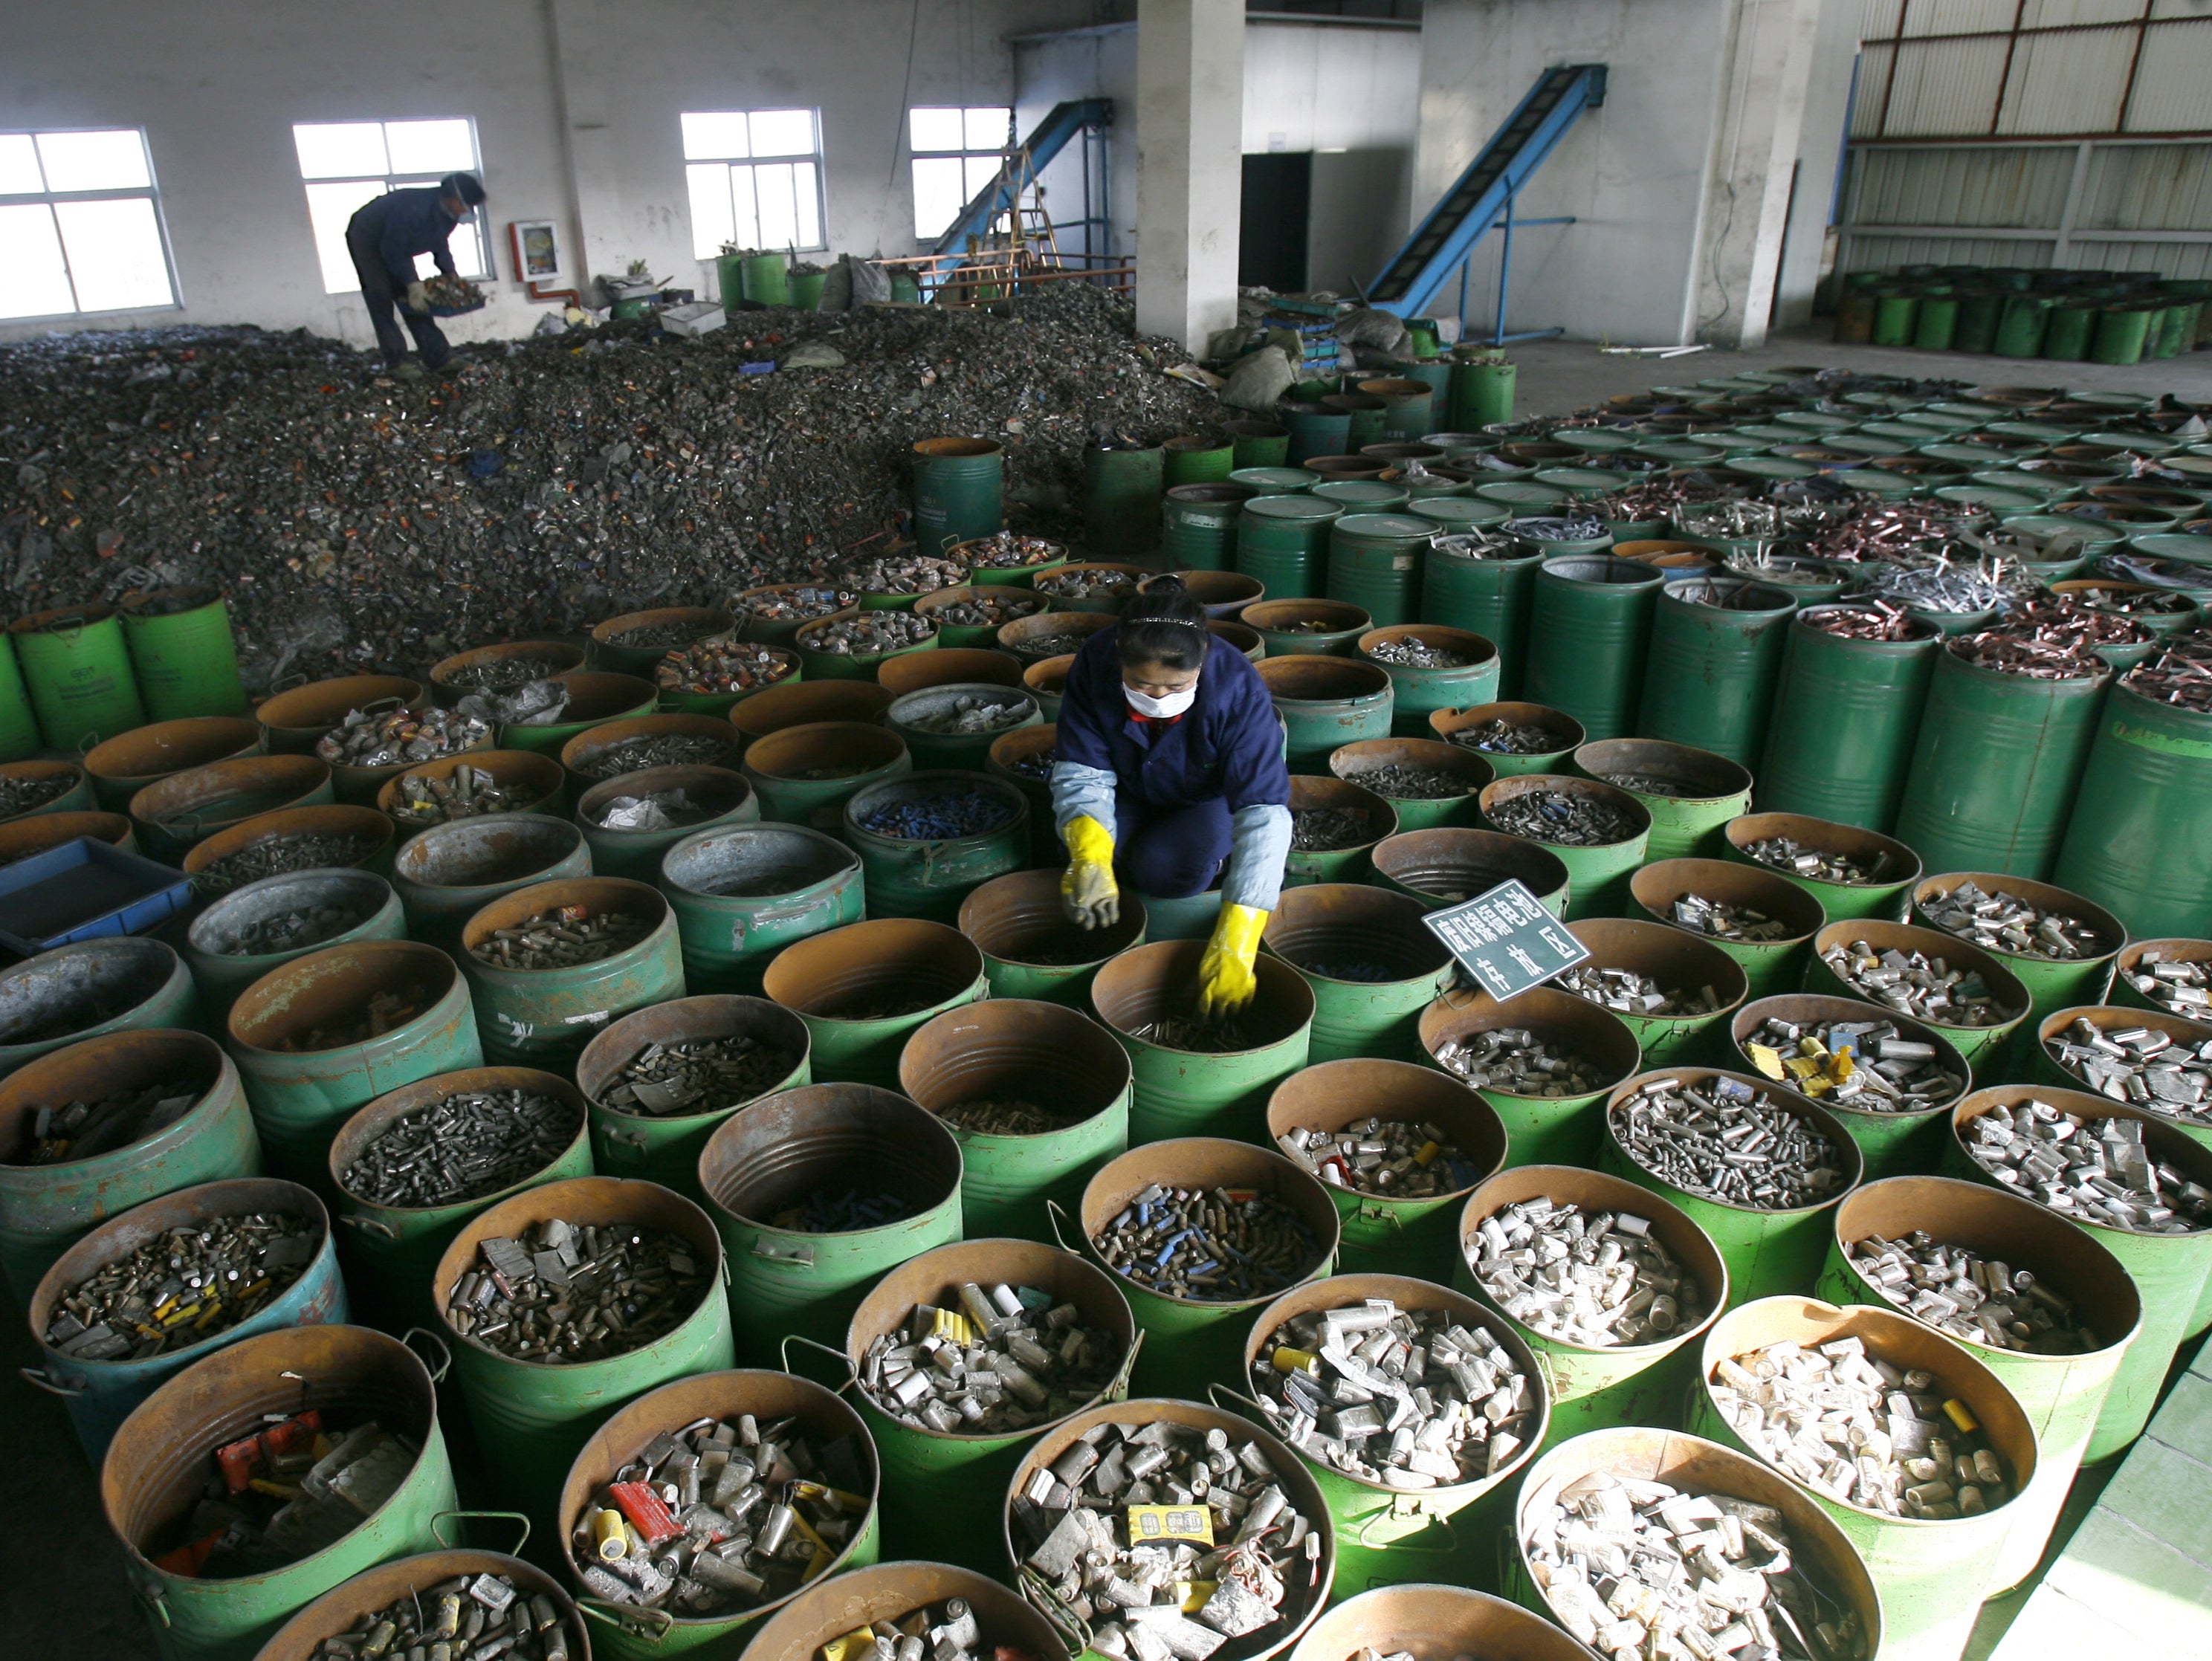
{"x":956,"y":152}
{"x":754,"y":178}
{"x":81,"y":219}
{"x":349,"y":163}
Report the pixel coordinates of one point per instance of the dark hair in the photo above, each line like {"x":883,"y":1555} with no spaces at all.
{"x":466,"y":186}
{"x":1162,"y":624}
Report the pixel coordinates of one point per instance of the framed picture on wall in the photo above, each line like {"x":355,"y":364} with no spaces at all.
{"x":538,"y":256}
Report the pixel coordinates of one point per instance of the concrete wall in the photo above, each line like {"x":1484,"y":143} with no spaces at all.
{"x":217,"y":84}
{"x":1346,"y":93}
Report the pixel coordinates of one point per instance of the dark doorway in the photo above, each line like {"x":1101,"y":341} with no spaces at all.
{"x":1270,"y":246}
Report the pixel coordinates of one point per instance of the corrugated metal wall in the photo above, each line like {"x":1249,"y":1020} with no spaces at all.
{"x":1958,"y":104}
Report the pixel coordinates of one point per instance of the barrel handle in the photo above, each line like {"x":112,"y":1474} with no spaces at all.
{"x":445,"y":1360}
{"x":394,"y":701}
{"x":155,"y":1597}
{"x":1452,"y":1001}
{"x":1380,"y":1214}
{"x":837,"y":1355}
{"x":648,"y":1626}
{"x":1119,"y":1389}
{"x":797,"y":1257}
{"x":87,"y":744}
{"x":36,"y":1377}
{"x":1551,"y":1385}
{"x":628,"y":1139}
{"x":1056,"y":1216}
{"x":521,"y":1539}
{"x":285,"y":683}
{"x":1057,"y":1614}
{"x":374,"y":1226}
{"x":1216,"y":1392}
{"x":1451,"y":1535}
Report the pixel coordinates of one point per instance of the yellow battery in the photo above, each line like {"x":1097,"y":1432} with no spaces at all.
{"x":1193,"y":1594}
{"x":608,"y":1536}
{"x":1156,"y":1525}
{"x":851,"y":1504}
{"x":850,"y":1646}
{"x":823,"y":1556}
{"x":1429,"y":1150}
{"x":1288,"y":1360}
{"x":1766,"y":1058}
{"x":1956,"y":1411}
{"x":953,"y":1326}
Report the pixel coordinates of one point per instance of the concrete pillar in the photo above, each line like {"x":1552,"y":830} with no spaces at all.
{"x":1190,"y":166}
{"x":1760,"y":115}
{"x":580,"y":55}
{"x":1820,"y":158}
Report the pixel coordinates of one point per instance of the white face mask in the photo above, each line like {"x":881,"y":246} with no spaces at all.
{"x":1160,"y":709}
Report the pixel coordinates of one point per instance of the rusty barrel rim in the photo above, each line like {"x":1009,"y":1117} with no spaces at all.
{"x":1796,"y":1007}
{"x":295,"y":719}
{"x":996,"y":916}
{"x":560,"y":653}
{"x":587,"y":746}
{"x":132,"y":761}
{"x":160,"y":1052}
{"x":372,"y":1118}
{"x":1884,"y":936}
{"x":539,"y":775}
{"x":157,"y":974}
{"x":372,"y":1590}
{"x":322,"y":819}
{"x":1431,"y":1618}
{"x":704,"y":1016}
{"x":826,"y":1608}
{"x":559,"y":840}
{"x":730,"y":1185}
{"x":1513,"y":785}
{"x":1828,"y":836}
{"x":799,"y":703}
{"x":198,"y":802}
{"x":1130,"y":1007}
{"x":1331,"y":1095}
{"x":972,"y":1023}
{"x":1803,"y":1106}
{"x":1655,"y":887}
{"x":2111,"y":933}
{"x":1481,"y":852}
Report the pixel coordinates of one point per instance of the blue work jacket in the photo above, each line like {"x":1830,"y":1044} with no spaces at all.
{"x":403,"y":224}
{"x":1227,"y":744}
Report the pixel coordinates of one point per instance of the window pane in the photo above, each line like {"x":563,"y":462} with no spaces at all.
{"x":340,"y":149}
{"x":987,"y":130}
{"x":806,"y":190}
{"x":779,"y":219}
{"x":745,"y":223}
{"x":716,"y":135}
{"x":19,"y":165}
{"x":430,"y":147}
{"x":933,"y":128}
{"x":783,"y":132}
{"x":329,"y":206}
{"x":711,"y":224}
{"x":112,"y":160}
{"x":937,"y":194}
{"x":114,"y":253}
{"x":981,"y":170}
{"x":34,"y":281}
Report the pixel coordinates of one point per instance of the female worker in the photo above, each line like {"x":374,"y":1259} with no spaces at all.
{"x":1170,"y":762}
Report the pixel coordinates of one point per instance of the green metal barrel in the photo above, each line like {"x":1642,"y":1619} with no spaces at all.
{"x":1598,"y":1387}
{"x":1938,"y":324}
{"x":346,"y":1609}
{"x":909,"y":876}
{"x":1121,"y":492}
{"x":1370,"y":965}
{"x":1030,"y":950}
{"x":1690,"y":795}
{"x":1550,"y":1129}
{"x":2134,"y":843}
{"x":1564,"y":735}
{"x":2061,"y":1394}
{"x":532,"y":1418}
{"x":594,"y":698}
{"x":1356,"y":496}
{"x":158,"y":1463}
{"x":448,"y":873}
{"x":1681,"y":964}
{"x":2171,"y":1272}
{"x":19,"y":726}
{"x":819,"y":664}
{"x":1892,"y":1144}
{"x":77,"y":792}
{"x":1896,"y":315}
{"x":1200,"y":458}
{"x":764,"y":1162}
{"x":182,"y":652}
{"x":2053,"y":983}
{"x":1691,"y":1465}
{"x":1385,"y":1233}
{"x":1010,"y":756}
{"x":1308,"y":628}
{"x":1181,"y":1092}
{"x":2137,"y":957}
{"x":743,"y":893}
{"x":1384,"y":1535}
{"x":544,"y":1017}
{"x":2019,"y":330}
{"x":1887,"y":893}
{"x":1377,"y":815}
{"x":1258,"y":443}
{"x":2066,"y":336}
{"x":1590,"y":622}
{"x":767,"y":278}
{"x":1845,"y":714}
{"x":2044,"y":1037}
{"x":88,"y":990}
{"x":1995,"y":767}
{"x":717,"y":796}
{"x":1325,"y":703}
{"x":1769,"y":1253}
{"x":2121,"y":333}
{"x":1770,"y":967}
{"x":946,"y":1487}
{"x":1198,"y":524}
{"x":1443,"y":866}
{"x":957,"y":487}
{"x":1407,"y":406}
{"x":1316,"y":429}
{"x":1366,"y":411}
{"x":919,"y":718}
{"x":627,"y":1632}
{"x":1981,"y":1046}
{"x":1416,"y":691}
{"x":220,"y":974}
{"x":1374,"y":562}
{"x":587,"y":757}
{"x":1189,"y":1342}
{"x":1467,"y":769}
{"x":863,"y":989}
{"x":300,"y":1095}
{"x":664,"y":1146}
{"x":76,"y":669}
{"x":1481,"y":392}
{"x":47,"y":1209}
{"x":1275,"y":481}
{"x":1716,"y":654}
{"x":1933,"y":1573}
{"x":804,"y":775}
{"x":392,"y":1251}
{"x":1057,"y":1058}
{"x":174,"y":815}
{"x":1597,"y":874}
{"x":123,"y":766}
{"x":1283,"y":541}
{"x":1435,"y":1619}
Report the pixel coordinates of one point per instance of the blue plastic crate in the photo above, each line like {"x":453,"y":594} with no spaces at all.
{"x":82,"y":890}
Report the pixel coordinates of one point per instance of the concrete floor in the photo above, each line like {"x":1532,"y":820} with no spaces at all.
{"x":69,"y":1599}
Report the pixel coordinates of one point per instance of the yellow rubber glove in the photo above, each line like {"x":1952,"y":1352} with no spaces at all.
{"x":1226,"y":982}
{"x":1088,"y":893}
